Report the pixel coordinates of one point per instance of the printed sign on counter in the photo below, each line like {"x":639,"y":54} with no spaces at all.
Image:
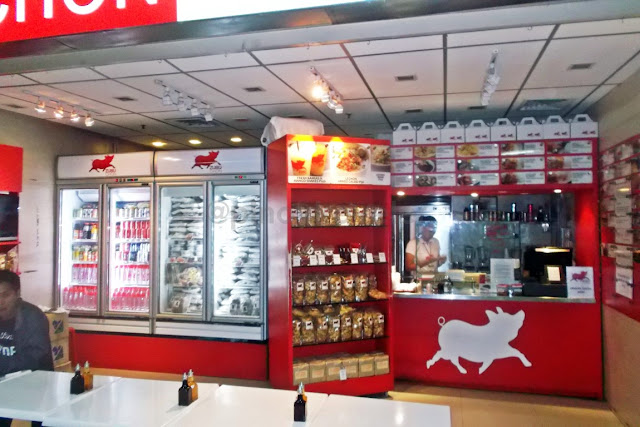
{"x":478,"y":150}
{"x":570,"y":147}
{"x":522,"y":149}
{"x":608,"y":173}
{"x":479,"y":179}
{"x":524,"y":163}
{"x":403,"y":167}
{"x":624,"y":282}
{"x":624,"y":257}
{"x":622,"y":205}
{"x":480,"y":165}
{"x":401,"y":153}
{"x":580,"y":282}
{"x":436,"y":180}
{"x":528,"y":178}
{"x":502,"y":271}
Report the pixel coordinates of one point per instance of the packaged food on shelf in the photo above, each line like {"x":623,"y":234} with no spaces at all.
{"x":376,"y":294}
{"x":350,"y":364}
{"x":300,"y":372}
{"x":308,"y":330}
{"x":322,"y":328}
{"x":322,"y":289}
{"x":378,"y":325}
{"x":350,"y":216}
{"x":297,"y":290}
{"x":366,"y":367}
{"x":345,"y":323}
{"x":373,"y":282}
{"x":333,"y":369}
{"x":294,"y":216}
{"x":357,"y":322}
{"x":348,"y":288}
{"x":381,"y":362}
{"x":359,"y":218}
{"x":378,"y":216}
{"x":362,"y":287}
{"x":297,"y":331}
{"x":310,"y":286}
{"x":367,"y":324}
{"x":334,"y":216}
{"x":333,"y":320}
{"x":323,"y":214}
{"x":303,"y":215}
{"x":311,"y":216}
{"x":335,"y":288}
{"x":317,"y":371}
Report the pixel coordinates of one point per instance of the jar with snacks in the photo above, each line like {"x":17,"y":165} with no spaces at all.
{"x":333,"y":321}
{"x":359,"y":219}
{"x":362,"y":287}
{"x":323,"y":214}
{"x":294,"y":216}
{"x":357,"y":319}
{"x":311,"y":216}
{"x":350,"y":214}
{"x":378,"y":216}
{"x":378,"y":325}
{"x":297,"y":290}
{"x":335,"y":288}
{"x":348,"y":288}
{"x":368,"y":215}
{"x":322,"y":289}
{"x":322,"y":329}
{"x":297,"y":331}
{"x":334,"y":216}
{"x":367,"y":325}
{"x":303,"y":212}
{"x":310,"y":290}
{"x":308,"y":330}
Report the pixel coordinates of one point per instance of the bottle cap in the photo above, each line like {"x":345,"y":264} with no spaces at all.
{"x":184,"y":376}
{"x":301,"y":389}
{"x":77,"y":367}
{"x":86,"y":365}
{"x":190,"y":372}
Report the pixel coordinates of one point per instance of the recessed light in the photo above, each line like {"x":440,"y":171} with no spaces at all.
{"x":158,"y":143}
{"x":195,"y":142}
{"x":401,"y":193}
{"x":557,"y":191}
{"x":474,"y":195}
{"x":236,"y":139}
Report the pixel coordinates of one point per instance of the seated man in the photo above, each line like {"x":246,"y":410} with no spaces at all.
{"x":24,"y":332}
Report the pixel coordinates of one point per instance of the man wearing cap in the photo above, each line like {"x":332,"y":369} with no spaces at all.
{"x":422,"y":254}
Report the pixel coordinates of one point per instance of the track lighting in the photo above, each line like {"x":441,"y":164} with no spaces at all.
{"x":491,"y":80}
{"x":208,"y":116}
{"x":184,"y":102}
{"x":74,"y":117}
{"x":88,"y":121}
{"x":41,"y":107}
{"x":182,"y":106}
{"x":194,"y":109}
{"x":323,"y":91}
{"x":59,"y":112}
{"x":166,"y":98}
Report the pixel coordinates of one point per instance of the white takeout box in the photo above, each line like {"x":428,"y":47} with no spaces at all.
{"x":555,"y":127}
{"x":477,"y":131}
{"x":405,"y":134}
{"x":452,"y":132}
{"x":429,"y":133}
{"x":503,"y":130}
{"x":583,"y":127}
{"x":529,"y":129}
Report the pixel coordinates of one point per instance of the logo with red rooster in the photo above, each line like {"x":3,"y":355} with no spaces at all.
{"x":103,"y":165}
{"x":208,"y":162}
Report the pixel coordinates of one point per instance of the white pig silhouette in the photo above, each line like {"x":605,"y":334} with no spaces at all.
{"x":483,"y":344}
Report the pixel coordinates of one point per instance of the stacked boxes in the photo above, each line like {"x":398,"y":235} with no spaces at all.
{"x":329,"y":368}
{"x":59,"y":335}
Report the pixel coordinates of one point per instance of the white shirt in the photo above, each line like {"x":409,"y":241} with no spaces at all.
{"x":421,"y":250}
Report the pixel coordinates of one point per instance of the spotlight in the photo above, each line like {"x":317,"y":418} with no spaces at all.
{"x":158,"y":144}
{"x":319,"y":89}
{"x":74,"y":117}
{"x":236,"y":139}
{"x":41,"y":107}
{"x":194,"y":109}
{"x":166,"y":98}
{"x":195,"y":142}
{"x":339,"y":109}
{"x":182,"y":106}
{"x":88,"y":121}
{"x":474,"y":195}
{"x":557,"y":191}
{"x":401,"y":193}
{"x":59,"y":112}
{"x":208,"y":116}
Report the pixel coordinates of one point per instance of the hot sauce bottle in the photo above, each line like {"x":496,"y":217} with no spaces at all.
{"x":194,"y":387}
{"x":77,"y":382}
{"x":88,"y":377}
{"x":300,"y":406}
{"x":184,"y":392}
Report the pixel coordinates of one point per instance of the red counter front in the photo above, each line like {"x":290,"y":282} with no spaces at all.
{"x":562,"y":341}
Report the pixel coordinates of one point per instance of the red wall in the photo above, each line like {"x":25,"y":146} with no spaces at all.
{"x":10,"y":168}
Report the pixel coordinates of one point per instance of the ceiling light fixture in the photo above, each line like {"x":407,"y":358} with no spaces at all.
{"x":74,"y":116}
{"x":158,"y":144}
{"x":400,"y":193}
{"x":88,"y":121}
{"x":184,"y":102}
{"x":491,"y":80}
{"x":41,"y":106}
{"x":557,"y":191}
{"x":474,"y":195}
{"x":59,"y":112}
{"x":208,"y":116}
{"x":182,"y":105}
{"x":195,"y":142}
{"x":166,"y":98}
{"x":194,"y":108}
{"x":236,"y":139}
{"x":323,"y":91}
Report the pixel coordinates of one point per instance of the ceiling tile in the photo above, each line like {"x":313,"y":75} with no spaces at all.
{"x":214,"y":62}
{"x":593,"y":98}
{"x":507,"y":35}
{"x":467,"y":65}
{"x":183,"y":83}
{"x":62,"y":76}
{"x":594,"y":28}
{"x":299,"y":54}
{"x":131,"y":69}
{"x":306,"y":110}
{"x":137,"y":122}
{"x":102,"y":128}
{"x":235,"y":81}
{"x":380,"y":72}
{"x":355,"y":112}
{"x":375,"y":47}
{"x":570,"y":95}
{"x":14,"y":80}
{"x":184,"y":140}
{"x":340,"y":73}
{"x":225,"y":137}
{"x":432,"y":107}
{"x":368,"y":131}
{"x":458,"y":106}
{"x":146,"y":140}
{"x":106,"y":91}
{"x":627,"y":71}
{"x":240,"y":118}
{"x":184,"y":120}
{"x":606,"y":53}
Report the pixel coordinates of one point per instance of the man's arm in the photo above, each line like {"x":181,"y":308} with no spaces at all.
{"x":35,"y":351}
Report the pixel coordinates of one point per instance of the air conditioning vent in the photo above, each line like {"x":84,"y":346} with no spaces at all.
{"x":241,"y":120}
{"x":254,"y":89}
{"x":413,"y":111}
{"x":125,"y":98}
{"x":409,"y":78}
{"x":544,"y":105}
{"x":195,"y":122}
{"x":478,"y":107}
{"x":584,"y":66}
{"x":296,"y":116}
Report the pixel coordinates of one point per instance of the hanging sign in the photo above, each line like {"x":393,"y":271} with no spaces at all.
{"x":210,"y":162}
{"x":106,"y":165}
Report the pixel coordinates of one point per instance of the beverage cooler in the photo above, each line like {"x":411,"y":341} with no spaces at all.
{"x":176,"y":249}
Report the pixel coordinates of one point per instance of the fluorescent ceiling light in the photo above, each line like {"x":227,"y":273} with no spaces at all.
{"x":158,"y":143}
{"x":236,"y":139}
{"x":195,"y":142}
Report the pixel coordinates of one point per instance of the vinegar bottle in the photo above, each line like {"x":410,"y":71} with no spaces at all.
{"x":88,"y":377}
{"x":194,"y":387}
{"x":77,"y":382}
{"x":184,"y":392}
{"x":300,"y":406}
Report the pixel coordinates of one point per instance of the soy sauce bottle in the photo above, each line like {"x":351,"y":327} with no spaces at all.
{"x":300,"y":406}
{"x":77,"y":382}
{"x":184,"y":393}
{"x":191,"y":381}
{"x":88,"y":377}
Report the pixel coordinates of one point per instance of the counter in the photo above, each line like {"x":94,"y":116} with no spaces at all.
{"x":489,"y":297}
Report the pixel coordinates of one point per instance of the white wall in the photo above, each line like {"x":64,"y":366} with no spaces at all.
{"x":42,"y":142}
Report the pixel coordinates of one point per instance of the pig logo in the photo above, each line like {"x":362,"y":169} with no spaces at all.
{"x":483,"y":344}
{"x":581,"y":276}
{"x":207,"y":161}
{"x":102,"y":164}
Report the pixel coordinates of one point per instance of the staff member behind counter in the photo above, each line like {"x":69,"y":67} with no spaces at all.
{"x":422,"y":254}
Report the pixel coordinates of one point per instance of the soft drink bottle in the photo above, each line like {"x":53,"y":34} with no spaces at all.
{"x":65,"y":297}
{"x":145,"y":299}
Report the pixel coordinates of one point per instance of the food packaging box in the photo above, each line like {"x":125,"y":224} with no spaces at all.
{"x":351,"y":364}
{"x":60,"y":351}
{"x":65,"y":367}
{"x":452,"y":132}
{"x":58,"y":324}
{"x":317,"y":371}
{"x":405,"y":134}
{"x":477,"y":131}
{"x":555,"y":128}
{"x":583,"y":127}
{"x":333,"y":369}
{"x":429,"y":133}
{"x":528,"y":129}
{"x":300,"y":372}
{"x":366,"y":367}
{"x":381,"y":362}
{"x":503,"y":130}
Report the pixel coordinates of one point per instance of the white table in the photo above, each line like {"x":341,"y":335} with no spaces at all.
{"x":128,"y":402}
{"x":347,"y":411}
{"x":249,"y":407}
{"x":33,"y":395}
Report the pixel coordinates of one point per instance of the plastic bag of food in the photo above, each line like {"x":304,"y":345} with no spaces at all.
{"x":367,"y":325}
{"x":311,"y":216}
{"x":377,"y":295}
{"x":373,"y":282}
{"x":322,"y":289}
{"x":322,"y":329}
{"x":323,"y":213}
{"x":333,"y":322}
{"x":297,"y":331}
{"x":334,"y":216}
{"x":378,"y":325}
{"x":350,"y":214}
{"x":362,"y":287}
{"x":297,"y":290}
{"x":343,"y":221}
{"x":348,"y":288}
{"x":346,"y":331}
{"x":359,"y":218}
{"x":357,"y":323}
{"x":335,"y":288}
{"x":378,"y":216}
{"x":368,"y":215}
{"x":302,"y":215}
{"x":295,"y":212}
{"x":310,"y":286}
{"x":308,"y":330}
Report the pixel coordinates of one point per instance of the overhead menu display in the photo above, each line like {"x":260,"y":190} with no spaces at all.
{"x":337,"y":162}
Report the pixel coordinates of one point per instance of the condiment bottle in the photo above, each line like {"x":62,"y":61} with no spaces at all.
{"x":88,"y":377}
{"x":77,"y":382}
{"x":194,"y":387}
{"x":184,"y":392}
{"x":300,"y":406}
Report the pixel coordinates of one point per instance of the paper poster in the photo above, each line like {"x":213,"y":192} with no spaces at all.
{"x":479,"y":179}
{"x":402,"y":181}
{"x":624,"y":282}
{"x":436,"y":180}
{"x":403,"y":167}
{"x":524,"y":163}
{"x":570,"y":147}
{"x":570,"y":162}
{"x":620,"y":223}
{"x":527,"y":178}
{"x":624,"y":257}
{"x":478,"y":150}
{"x":478,"y":165}
{"x":580,"y":282}
{"x":624,"y":237}
{"x":401,"y":153}
{"x":502,"y":271}
{"x":446,"y":165}
{"x":522,"y":149}
{"x":622,"y":205}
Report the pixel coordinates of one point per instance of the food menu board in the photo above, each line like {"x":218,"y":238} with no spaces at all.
{"x":340,"y":162}
{"x":493,"y":164}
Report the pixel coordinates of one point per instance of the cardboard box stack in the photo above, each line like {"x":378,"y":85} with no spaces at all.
{"x":59,"y":335}
{"x":328,"y":368}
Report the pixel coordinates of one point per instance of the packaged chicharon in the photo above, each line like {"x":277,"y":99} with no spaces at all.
{"x":362,"y":287}
{"x":295,"y":212}
{"x":357,"y":320}
{"x":334,"y":216}
{"x":350,"y":215}
{"x":346,"y":332}
{"x":373,"y":281}
{"x":368,"y":215}
{"x":322,"y":289}
{"x":323,"y":215}
{"x":311,"y":216}
{"x":297,"y":290}
{"x":348,"y":288}
{"x":297,"y":331}
{"x":378,"y":216}
{"x":302,"y":215}
{"x":308,"y":330}
{"x":333,"y":322}
{"x":359,"y":218}
{"x":367,"y":324}
{"x":335,"y":288}
{"x":322,"y":329}
{"x":378,"y":325}
{"x":310,"y":286}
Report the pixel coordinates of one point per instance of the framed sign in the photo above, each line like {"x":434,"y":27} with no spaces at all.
{"x":554,"y":274}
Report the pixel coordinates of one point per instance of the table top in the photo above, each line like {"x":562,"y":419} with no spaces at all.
{"x":250,"y":407}
{"x":347,"y":411}
{"x":128,"y":402}
{"x":31,"y":396}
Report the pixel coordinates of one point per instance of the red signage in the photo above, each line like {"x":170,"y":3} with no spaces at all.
{"x":31,"y":19}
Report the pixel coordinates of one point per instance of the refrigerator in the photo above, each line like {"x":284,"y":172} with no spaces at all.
{"x":210,"y":234}
{"x":104,"y":242}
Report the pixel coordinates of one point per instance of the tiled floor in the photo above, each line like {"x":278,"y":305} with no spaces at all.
{"x":469,"y":408}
